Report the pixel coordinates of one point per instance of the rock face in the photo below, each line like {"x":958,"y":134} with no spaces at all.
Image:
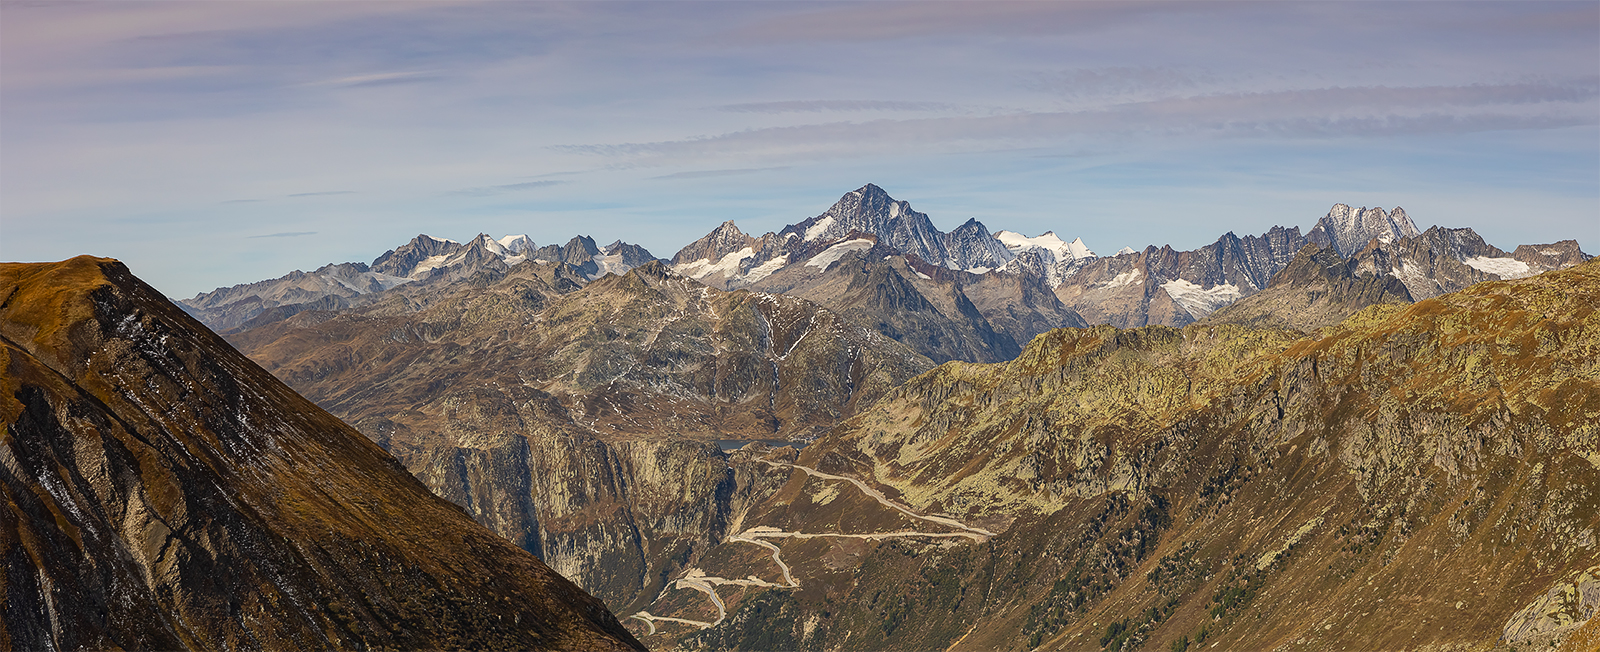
{"x":1347,"y":230}
{"x":727,"y":258}
{"x":578,"y":422}
{"x":1317,"y":289}
{"x":1174,"y":288}
{"x":1441,"y":260}
{"x":871,"y":210}
{"x":1417,"y":476}
{"x":425,"y":259}
{"x":942,"y":314}
{"x":163,"y":492}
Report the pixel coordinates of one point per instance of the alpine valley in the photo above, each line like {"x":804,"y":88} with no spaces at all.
{"x":859,"y":432}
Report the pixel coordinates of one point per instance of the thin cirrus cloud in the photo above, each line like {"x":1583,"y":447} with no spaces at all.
{"x":285,"y":234}
{"x":707,"y":174}
{"x":380,"y":79}
{"x":820,"y":106}
{"x":324,"y":193}
{"x":1117,"y":80}
{"x":1310,"y":113}
{"x":485,"y":191}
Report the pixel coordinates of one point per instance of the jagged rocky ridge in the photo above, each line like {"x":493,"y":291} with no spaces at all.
{"x":1317,"y":289}
{"x":728,"y":258}
{"x":1159,"y":285}
{"x":163,"y":492}
{"x":425,"y":259}
{"x":941,"y":313}
{"x":1418,"y":476}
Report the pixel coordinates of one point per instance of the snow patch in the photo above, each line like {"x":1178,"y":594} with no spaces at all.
{"x":1126,"y":278}
{"x":819,"y":229}
{"x":1200,"y":301}
{"x":429,"y":264}
{"x":1502,"y":267}
{"x":979,"y":270}
{"x":728,"y":265}
{"x":767,"y":268}
{"x":832,"y":254}
{"x":611,"y":264}
{"x":921,"y":275}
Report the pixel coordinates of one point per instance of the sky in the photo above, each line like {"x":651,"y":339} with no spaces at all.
{"x":215,"y":143}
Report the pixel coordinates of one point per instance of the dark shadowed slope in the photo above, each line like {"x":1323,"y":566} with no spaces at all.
{"x":161,"y":491}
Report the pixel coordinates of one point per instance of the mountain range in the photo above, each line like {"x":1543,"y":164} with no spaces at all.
{"x":968,"y":294}
{"x":425,"y":259}
{"x":1365,"y":436}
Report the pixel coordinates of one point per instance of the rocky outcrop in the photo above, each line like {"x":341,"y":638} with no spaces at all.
{"x":1572,"y":603}
{"x":163,"y":492}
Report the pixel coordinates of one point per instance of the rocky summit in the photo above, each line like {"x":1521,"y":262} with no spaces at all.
{"x":164,"y":492}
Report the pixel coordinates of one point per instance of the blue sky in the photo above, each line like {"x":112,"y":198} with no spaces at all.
{"x":208,"y":144}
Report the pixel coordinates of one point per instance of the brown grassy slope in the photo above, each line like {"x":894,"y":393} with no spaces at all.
{"x":1409,"y":479}
{"x":164,"y":492}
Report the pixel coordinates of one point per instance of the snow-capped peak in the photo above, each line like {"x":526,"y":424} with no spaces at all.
{"x":1048,"y":241}
{"x":1125,"y":250}
{"x":516,"y":244}
{"x":1079,"y":249}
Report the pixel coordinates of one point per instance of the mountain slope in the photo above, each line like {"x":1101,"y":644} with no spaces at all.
{"x":163,"y":492}
{"x":1415,"y":477}
{"x":580,"y":423}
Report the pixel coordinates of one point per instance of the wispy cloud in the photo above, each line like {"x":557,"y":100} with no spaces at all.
{"x":244,"y":201}
{"x":819,"y":106}
{"x":1117,"y":80}
{"x":703,"y":174}
{"x":285,"y":234}
{"x":1311,"y":113}
{"x":484,"y":191}
{"x":380,"y":79}
{"x":322,"y":194}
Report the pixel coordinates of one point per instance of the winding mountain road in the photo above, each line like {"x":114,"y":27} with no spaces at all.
{"x":980,"y":534}
{"x":697,"y":579}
